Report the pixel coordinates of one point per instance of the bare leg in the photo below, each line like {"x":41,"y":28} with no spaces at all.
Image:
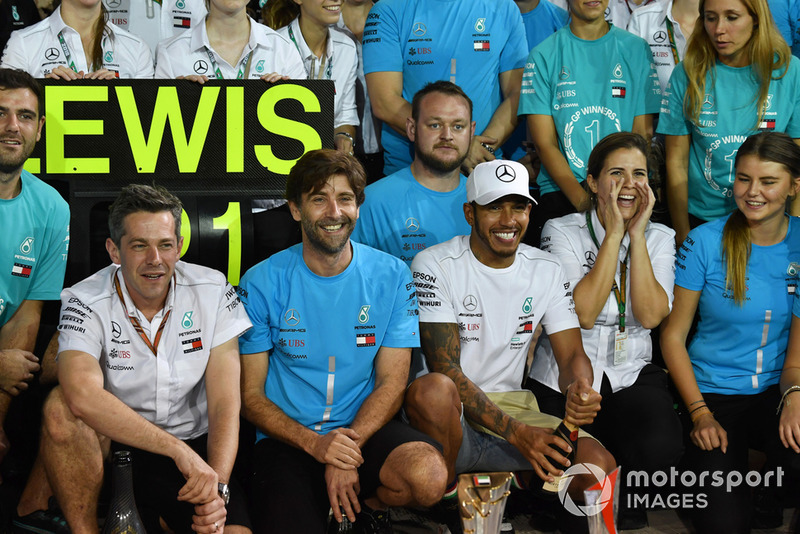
{"x":434,"y":407}
{"x":73,"y":459}
{"x":37,"y":490}
{"x":590,"y":451}
{"x":413,"y":474}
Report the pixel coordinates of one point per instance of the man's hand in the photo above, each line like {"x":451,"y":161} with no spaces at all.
{"x":583,"y":403}
{"x":535,"y":444}
{"x":16,"y":370}
{"x":196,"y":78}
{"x":210,"y":517}
{"x":273,"y":77}
{"x":477,"y":153}
{"x":343,"y":490}
{"x":338,"y":448}
{"x":201,"y":479}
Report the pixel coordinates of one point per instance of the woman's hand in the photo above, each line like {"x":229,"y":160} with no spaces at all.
{"x":789,"y":425}
{"x":708,"y":434}
{"x":647,"y":200}
{"x":612,"y":218}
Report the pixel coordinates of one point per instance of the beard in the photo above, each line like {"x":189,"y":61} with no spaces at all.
{"x":319,"y":239}
{"x":438,"y":164}
{"x":10,"y":165}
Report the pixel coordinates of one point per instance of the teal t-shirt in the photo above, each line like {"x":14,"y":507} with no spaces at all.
{"x":728,"y":116}
{"x":401,"y":216}
{"x":33,"y":250}
{"x":590,"y":88}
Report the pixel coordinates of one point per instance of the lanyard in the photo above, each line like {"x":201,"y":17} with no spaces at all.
{"x":244,"y":65}
{"x":328,"y":71}
{"x":671,"y":34}
{"x":67,"y":54}
{"x":623,"y":274}
{"x":137,"y":326}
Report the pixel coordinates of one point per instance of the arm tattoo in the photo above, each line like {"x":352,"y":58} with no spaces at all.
{"x":442,"y":348}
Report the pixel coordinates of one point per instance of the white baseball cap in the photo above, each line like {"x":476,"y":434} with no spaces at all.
{"x":495,"y":179}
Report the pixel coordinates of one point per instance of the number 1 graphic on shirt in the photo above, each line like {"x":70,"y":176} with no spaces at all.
{"x":594,"y":132}
{"x":731,"y":159}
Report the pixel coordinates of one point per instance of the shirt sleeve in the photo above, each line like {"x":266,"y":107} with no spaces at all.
{"x":232,"y":319}
{"x":672,"y":120}
{"x":536,"y":94}
{"x":560,"y":314}
{"x":251,"y":293}
{"x":435,"y":301}
{"x":49,"y":274}
{"x":80,"y":328}
{"x":556,"y":241}
{"x":403,"y":328}
{"x":14,"y":54}
{"x":691,"y":263}
{"x":516,"y":49}
{"x":663,"y":259}
{"x":793,"y":77}
{"x":144,"y":68}
{"x":381,"y":42}
{"x":780,"y":14}
{"x":349,"y":113}
{"x":164,"y":69}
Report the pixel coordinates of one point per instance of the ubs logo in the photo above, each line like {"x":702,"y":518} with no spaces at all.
{"x":51,"y":53}
{"x":505,"y":173}
{"x":200,"y":66}
{"x":470,"y":302}
{"x":292,"y":317}
{"x":412,"y":225}
{"x":419,"y":29}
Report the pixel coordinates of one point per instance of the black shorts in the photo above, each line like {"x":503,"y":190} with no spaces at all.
{"x":289,"y":492}
{"x":156,"y":482}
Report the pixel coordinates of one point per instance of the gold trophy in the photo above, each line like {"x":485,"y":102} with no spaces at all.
{"x":482,"y":497}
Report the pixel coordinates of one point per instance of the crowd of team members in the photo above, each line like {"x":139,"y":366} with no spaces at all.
{"x":577,"y":119}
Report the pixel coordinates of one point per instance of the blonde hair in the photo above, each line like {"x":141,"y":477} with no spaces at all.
{"x":767,"y":146}
{"x":766,"y":51}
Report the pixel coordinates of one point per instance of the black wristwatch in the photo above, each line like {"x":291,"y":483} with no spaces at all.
{"x":224,"y":492}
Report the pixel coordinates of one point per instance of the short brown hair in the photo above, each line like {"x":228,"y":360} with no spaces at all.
{"x":313,"y":170}
{"x":135,"y":198}
{"x":19,"y":79}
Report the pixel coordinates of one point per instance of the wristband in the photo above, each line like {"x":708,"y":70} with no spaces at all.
{"x":790,"y":389}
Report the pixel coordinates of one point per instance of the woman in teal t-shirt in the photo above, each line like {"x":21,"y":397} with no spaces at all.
{"x":738,"y":77}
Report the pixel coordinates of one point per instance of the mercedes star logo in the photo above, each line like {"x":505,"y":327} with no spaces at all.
{"x":291,"y":317}
{"x":51,"y":53}
{"x":113,"y":3}
{"x":200,"y":66}
{"x":660,"y":36}
{"x":412,"y":225}
{"x":419,"y":29}
{"x":116,"y":331}
{"x":505,"y":173}
{"x":470,"y":302}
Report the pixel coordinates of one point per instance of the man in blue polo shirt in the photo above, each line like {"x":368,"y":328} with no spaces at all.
{"x":478,"y":44}
{"x":334,"y":324}
{"x":421,"y":205}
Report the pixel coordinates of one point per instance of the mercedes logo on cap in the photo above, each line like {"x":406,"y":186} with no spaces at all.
{"x":470,"y":302}
{"x":200,"y":66}
{"x":51,"y":54}
{"x":505,"y":173}
{"x":116,"y":331}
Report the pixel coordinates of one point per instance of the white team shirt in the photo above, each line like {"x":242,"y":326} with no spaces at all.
{"x":37,"y":50}
{"x":168,"y":390}
{"x":568,"y":238}
{"x":155,"y":21}
{"x":619,"y":12}
{"x":650,"y":23}
{"x":266,"y":51}
{"x":341,"y":66}
{"x":496,"y":310}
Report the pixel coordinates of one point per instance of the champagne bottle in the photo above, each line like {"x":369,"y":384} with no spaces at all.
{"x":123,"y":517}
{"x":345,"y":527}
{"x":569,"y":433}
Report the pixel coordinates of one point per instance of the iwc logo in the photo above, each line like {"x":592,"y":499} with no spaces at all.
{"x":505,"y":173}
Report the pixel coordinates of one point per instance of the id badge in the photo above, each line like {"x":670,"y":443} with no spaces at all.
{"x":620,"y":348}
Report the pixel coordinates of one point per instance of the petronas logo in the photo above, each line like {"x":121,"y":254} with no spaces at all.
{"x":363,"y":315}
{"x":526,"y":306}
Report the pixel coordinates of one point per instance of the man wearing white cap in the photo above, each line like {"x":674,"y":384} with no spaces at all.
{"x":481,"y":297}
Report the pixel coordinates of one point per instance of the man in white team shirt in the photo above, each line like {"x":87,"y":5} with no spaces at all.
{"x":154,"y":20}
{"x":148,"y":361}
{"x":481,"y":297}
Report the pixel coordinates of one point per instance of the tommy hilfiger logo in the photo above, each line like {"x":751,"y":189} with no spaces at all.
{"x":192,"y":345}
{"x":365,"y":340}
{"x":21,"y":270}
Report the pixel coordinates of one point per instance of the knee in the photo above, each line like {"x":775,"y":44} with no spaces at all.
{"x":423,"y":471}
{"x":58,"y":421}
{"x":592,"y":452}
{"x":430,"y":397}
